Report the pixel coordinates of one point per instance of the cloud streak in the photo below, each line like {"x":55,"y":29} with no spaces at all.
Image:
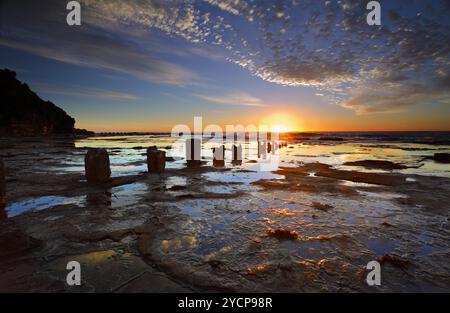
{"x":239,"y":98}
{"x":51,"y":38}
{"x":96,"y":93}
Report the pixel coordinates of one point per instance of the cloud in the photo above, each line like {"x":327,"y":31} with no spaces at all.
{"x":104,"y":54}
{"x":84,"y":92}
{"x":326,"y":45}
{"x":322,"y":44}
{"x":393,"y":101}
{"x":51,"y":38}
{"x":239,"y":98}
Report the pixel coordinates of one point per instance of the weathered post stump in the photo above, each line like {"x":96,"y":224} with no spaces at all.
{"x":2,"y":184}
{"x":96,"y":164}
{"x":275,"y":146}
{"x":219,"y":156}
{"x":262,"y":148}
{"x":193,"y":151}
{"x":156,"y":160}
{"x":237,"y":155}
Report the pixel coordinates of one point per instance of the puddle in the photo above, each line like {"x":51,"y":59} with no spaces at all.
{"x":40,"y":203}
{"x":127,"y":195}
{"x":357,"y":184}
{"x":382,"y":195}
{"x":240,"y":177}
{"x":382,"y":246}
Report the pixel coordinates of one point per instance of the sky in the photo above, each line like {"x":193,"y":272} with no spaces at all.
{"x":308,"y":65}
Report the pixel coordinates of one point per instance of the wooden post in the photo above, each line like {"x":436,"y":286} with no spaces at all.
{"x":193,"y":151}
{"x":97,"y":166}
{"x":262,"y":148}
{"x":275,"y":146}
{"x":219,"y":156}
{"x":156,"y":160}
{"x":237,"y":155}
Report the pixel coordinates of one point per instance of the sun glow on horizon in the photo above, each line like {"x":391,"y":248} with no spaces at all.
{"x":279,"y":129}
{"x":282,"y":123}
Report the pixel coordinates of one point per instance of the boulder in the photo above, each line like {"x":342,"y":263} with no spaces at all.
{"x":96,"y":164}
{"x":156,"y":160}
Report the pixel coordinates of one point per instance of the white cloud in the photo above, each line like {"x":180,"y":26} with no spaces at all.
{"x":238,"y":98}
{"x":84,"y":92}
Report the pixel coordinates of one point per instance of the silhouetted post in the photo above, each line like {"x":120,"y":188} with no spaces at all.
{"x":156,"y":160}
{"x":269,"y":147}
{"x":2,"y":184}
{"x":262,"y":148}
{"x":193,"y":151}
{"x":96,"y":164}
{"x":237,"y":155}
{"x":219,"y":156}
{"x":275,"y":146}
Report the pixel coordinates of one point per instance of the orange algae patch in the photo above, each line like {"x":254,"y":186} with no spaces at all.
{"x":259,"y":268}
{"x":283,"y":234}
{"x":283,"y":211}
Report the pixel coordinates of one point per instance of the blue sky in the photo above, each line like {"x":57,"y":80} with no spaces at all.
{"x":311,"y":65}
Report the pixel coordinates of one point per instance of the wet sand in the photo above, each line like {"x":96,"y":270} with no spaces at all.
{"x":211,"y":229}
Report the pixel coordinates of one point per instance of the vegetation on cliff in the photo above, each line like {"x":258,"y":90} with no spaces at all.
{"x":24,"y":113}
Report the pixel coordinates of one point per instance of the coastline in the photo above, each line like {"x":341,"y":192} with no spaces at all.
{"x":207,"y":228}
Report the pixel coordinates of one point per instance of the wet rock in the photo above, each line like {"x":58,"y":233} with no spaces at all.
{"x":387,"y":224}
{"x":395,"y":261}
{"x":2,"y":184}
{"x":215,"y":263}
{"x":283,"y":234}
{"x":15,"y":243}
{"x":320,"y":206}
{"x":156,"y":160}
{"x":97,"y":166}
{"x":442,"y":157}
{"x":377,"y":164}
{"x":177,"y":188}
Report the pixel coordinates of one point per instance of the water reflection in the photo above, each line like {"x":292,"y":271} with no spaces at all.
{"x":40,"y":203}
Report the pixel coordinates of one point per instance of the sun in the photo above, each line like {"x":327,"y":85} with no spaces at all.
{"x":279,"y":129}
{"x":281,"y":123}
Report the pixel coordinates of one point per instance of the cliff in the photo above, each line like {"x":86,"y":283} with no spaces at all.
{"x":23,"y":113}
